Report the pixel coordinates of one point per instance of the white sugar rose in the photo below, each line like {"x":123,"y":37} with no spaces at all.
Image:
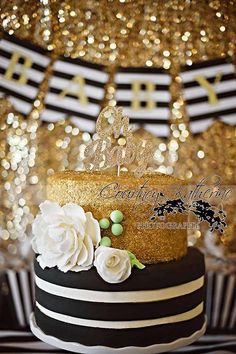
{"x":112,"y":264}
{"x":65,"y":237}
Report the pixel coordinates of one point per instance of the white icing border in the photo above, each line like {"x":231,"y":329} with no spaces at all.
{"x":79,"y":348}
{"x":120,"y":296}
{"x":184,"y":316}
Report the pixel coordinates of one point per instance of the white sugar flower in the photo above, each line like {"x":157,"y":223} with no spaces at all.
{"x":112,"y":264}
{"x":65,"y":237}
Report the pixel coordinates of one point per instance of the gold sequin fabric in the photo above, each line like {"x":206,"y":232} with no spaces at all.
{"x":103,"y":192}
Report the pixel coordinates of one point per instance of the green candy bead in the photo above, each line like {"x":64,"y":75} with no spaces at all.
{"x":116,"y":216}
{"x":105,"y":241}
{"x":104,"y":223}
{"x":117,"y":229}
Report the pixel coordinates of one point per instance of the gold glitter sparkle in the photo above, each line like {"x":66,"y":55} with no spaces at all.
{"x":149,"y":245}
{"x":151,"y":33}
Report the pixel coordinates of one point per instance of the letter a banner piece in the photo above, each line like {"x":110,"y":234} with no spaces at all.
{"x":144,"y":94}
{"x":76,"y":89}
{"x":22,"y":67}
{"x":209,"y":90}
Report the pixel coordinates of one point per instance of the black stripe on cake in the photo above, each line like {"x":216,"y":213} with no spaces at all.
{"x":118,"y":337}
{"x":153,"y":277}
{"x":119,"y":311}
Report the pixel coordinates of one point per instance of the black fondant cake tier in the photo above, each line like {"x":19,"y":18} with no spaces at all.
{"x":160,"y":305}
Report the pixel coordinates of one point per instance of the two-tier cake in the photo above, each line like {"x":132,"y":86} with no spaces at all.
{"x":111,"y":275}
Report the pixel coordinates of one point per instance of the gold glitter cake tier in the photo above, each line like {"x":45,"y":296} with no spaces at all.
{"x":102,"y":192}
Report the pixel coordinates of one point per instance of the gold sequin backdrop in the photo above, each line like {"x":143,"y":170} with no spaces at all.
{"x":111,"y":32}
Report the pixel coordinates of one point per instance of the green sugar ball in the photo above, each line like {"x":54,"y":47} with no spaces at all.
{"x":117,"y":229}
{"x":116,"y":216}
{"x":105,"y":241}
{"x":104,"y":223}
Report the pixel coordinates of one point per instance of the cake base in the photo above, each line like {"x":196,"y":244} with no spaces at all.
{"x":79,"y":348}
{"x":156,"y":309}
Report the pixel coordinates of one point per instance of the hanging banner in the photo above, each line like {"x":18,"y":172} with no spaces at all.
{"x":22,"y":67}
{"x":209,"y":90}
{"x":144,"y":94}
{"x":76,"y":89}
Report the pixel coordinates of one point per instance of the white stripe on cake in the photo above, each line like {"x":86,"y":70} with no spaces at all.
{"x":185,"y":316}
{"x":120,"y":297}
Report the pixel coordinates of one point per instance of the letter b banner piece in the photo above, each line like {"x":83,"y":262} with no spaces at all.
{"x":144,"y":94}
{"x":209,"y":90}
{"x":22,"y":67}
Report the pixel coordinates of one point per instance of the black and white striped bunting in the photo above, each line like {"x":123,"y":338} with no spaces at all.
{"x":144,"y":94}
{"x":22,"y":67}
{"x":76,"y":89}
{"x":219,"y":76}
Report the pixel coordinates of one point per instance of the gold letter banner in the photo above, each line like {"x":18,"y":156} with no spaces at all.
{"x":76,"y":89}
{"x":209,"y":90}
{"x":144,"y":94}
{"x":22,"y":67}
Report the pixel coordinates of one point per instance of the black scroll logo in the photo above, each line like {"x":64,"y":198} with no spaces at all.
{"x":204,"y":211}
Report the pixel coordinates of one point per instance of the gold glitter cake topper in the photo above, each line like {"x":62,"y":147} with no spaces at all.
{"x":115,"y":145}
